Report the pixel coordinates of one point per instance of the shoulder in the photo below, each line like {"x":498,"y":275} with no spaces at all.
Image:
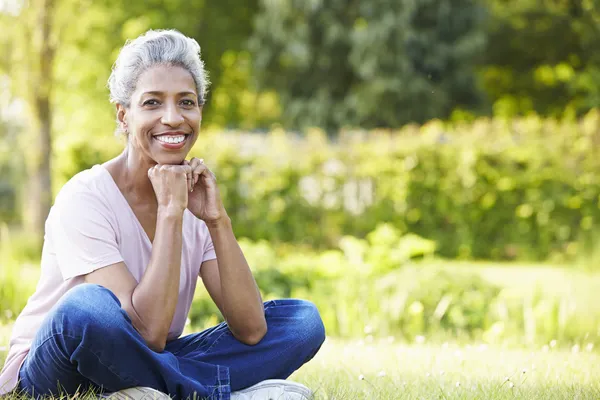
{"x":86,"y":190}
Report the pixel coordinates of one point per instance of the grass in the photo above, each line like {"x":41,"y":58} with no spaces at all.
{"x":385,"y":369}
{"x":382,"y":369}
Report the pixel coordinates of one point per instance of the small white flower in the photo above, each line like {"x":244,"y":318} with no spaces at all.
{"x":545,"y":349}
{"x":589,"y":347}
{"x":511,"y":385}
{"x":361,"y":377}
{"x":368,"y":329}
{"x":428,"y":374}
{"x":420,"y":339}
{"x":381,"y":374}
{"x":506,"y":379}
{"x":441,"y":372}
{"x":524,"y":371}
{"x":575,"y":349}
{"x":553,"y":343}
{"x":457,"y":384}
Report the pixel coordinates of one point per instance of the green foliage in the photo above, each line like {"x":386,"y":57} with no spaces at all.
{"x":368,"y":64}
{"x":526,"y":189}
{"x":542,"y":57}
{"x":17,"y":251}
{"x":406,"y":298}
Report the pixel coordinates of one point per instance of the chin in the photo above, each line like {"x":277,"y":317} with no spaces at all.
{"x":170,"y":159}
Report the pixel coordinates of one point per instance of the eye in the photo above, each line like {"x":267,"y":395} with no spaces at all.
{"x":150,"y":102}
{"x":188,"y":103}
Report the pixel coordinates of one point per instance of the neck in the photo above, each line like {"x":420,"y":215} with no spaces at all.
{"x":133,"y":174}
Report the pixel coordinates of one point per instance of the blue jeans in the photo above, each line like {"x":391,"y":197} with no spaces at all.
{"x":87,"y":341}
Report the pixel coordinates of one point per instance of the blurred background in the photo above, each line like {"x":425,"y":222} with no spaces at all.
{"x":421,"y":170}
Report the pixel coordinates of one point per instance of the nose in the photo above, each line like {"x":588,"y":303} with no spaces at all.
{"x":172,"y":116}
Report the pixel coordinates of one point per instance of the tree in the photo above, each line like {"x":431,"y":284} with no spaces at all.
{"x":543,"y":56}
{"x":32,"y":46}
{"x":381,"y":63}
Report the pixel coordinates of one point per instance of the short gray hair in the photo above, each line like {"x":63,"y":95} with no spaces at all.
{"x":155,"y":47}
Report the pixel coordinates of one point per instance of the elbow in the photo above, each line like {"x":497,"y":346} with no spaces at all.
{"x":254,"y":336}
{"x":156,"y":343}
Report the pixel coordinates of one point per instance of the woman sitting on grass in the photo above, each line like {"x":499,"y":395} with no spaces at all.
{"x":125,"y":243}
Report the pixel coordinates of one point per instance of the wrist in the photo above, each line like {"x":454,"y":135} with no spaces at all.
{"x":221,"y":222}
{"x":170,"y":211}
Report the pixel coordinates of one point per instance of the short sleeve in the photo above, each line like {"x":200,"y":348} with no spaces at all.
{"x":82,"y":236}
{"x":209,"y":249}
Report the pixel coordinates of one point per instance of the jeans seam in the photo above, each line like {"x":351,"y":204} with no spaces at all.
{"x":128,"y":377}
{"x":215,"y":342}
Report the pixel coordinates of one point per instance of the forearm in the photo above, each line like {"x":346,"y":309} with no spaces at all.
{"x":241,"y":301}
{"x":155,"y":297}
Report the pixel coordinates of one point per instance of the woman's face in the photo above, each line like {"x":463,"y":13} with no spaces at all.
{"x":164,"y":116}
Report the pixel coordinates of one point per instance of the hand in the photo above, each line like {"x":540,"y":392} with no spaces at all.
{"x":170,"y":185}
{"x":204,"y":199}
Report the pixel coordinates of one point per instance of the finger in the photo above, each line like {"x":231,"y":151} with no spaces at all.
{"x":188,"y":174}
{"x":198,"y":171}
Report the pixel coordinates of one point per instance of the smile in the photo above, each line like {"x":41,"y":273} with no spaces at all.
{"x":172,"y":141}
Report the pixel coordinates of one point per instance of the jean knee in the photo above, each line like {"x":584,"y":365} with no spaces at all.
{"x":88,"y":305}
{"x":307,"y":328}
{"x":313,"y":325}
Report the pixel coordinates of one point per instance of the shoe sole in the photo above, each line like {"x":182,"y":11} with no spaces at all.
{"x":136,"y":393}
{"x":290,"y":387}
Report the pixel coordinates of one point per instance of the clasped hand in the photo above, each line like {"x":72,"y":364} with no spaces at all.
{"x":191,"y":185}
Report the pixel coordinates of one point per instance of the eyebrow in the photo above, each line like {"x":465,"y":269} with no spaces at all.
{"x":159,"y":93}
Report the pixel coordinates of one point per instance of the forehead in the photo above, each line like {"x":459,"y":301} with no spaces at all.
{"x":166,"y":79}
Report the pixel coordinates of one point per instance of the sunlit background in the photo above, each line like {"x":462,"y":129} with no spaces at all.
{"x":426,"y":172}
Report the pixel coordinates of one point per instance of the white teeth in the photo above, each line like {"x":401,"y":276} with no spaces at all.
{"x":171,"y":139}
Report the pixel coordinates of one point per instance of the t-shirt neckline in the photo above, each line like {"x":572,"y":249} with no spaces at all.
{"x":125,"y":202}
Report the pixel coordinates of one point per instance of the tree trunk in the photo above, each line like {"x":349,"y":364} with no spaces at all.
{"x":40,"y":194}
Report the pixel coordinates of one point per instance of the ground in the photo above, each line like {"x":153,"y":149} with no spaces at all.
{"x":381,"y":369}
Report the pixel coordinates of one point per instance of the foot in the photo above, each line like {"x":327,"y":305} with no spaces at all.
{"x":274,"y":389}
{"x":137,"y":393}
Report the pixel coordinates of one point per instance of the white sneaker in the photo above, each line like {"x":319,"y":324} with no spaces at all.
{"x":136,"y":393}
{"x":274,"y":389}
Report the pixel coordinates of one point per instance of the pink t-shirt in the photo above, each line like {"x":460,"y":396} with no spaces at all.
{"x":91,"y":226}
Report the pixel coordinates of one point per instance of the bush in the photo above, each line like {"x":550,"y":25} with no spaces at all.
{"x":495,"y":189}
{"x":18,"y":278}
{"x":524,"y":189}
{"x":401,"y":296}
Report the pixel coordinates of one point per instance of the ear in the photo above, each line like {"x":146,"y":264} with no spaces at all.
{"x":122,"y":117}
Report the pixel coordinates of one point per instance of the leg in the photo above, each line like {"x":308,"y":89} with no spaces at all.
{"x":295,"y":334}
{"x":87,"y":341}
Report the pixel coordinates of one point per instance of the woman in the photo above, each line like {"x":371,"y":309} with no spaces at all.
{"x":125,"y":243}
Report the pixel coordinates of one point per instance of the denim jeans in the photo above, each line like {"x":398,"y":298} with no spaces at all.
{"x":87,"y":341}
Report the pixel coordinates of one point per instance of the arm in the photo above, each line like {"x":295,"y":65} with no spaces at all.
{"x":151,"y":303}
{"x":232,"y":287}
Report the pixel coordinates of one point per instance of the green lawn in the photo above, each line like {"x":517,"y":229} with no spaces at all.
{"x":386,"y":370}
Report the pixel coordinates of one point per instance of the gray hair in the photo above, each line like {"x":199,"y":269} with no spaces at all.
{"x":155,"y":47}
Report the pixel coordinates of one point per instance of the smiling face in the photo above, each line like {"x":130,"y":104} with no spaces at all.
{"x":164,"y":117}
